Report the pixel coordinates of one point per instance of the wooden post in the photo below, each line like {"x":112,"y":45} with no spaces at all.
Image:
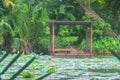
{"x":87,"y":39}
{"x":91,"y":40}
{"x":52,"y":39}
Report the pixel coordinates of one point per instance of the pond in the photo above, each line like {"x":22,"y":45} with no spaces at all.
{"x":107,"y":68}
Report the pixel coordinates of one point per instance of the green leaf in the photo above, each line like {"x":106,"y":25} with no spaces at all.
{"x":51,"y":70}
{"x":27,"y":74}
{"x":71,"y":16}
{"x":62,"y":9}
{"x":101,"y":1}
{"x":44,"y":16}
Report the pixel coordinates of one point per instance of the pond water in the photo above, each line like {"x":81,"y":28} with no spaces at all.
{"x":107,"y":68}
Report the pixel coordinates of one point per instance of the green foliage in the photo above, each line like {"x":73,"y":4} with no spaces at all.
{"x":104,"y":45}
{"x":84,"y":1}
{"x":117,"y":44}
{"x":5,"y":26}
{"x":26,"y":22}
{"x":51,"y":70}
{"x":63,"y":31}
{"x":99,"y":28}
{"x":71,"y":16}
{"x":108,"y":13}
{"x":91,"y":1}
{"x":1,"y":38}
{"x":29,"y":21}
{"x":17,"y":43}
{"x":62,"y":10}
{"x":101,"y":1}
{"x":61,"y":42}
{"x":82,"y":46}
{"x":27,"y":74}
{"x":5,"y":31}
{"x":113,"y":5}
{"x":44,"y":43}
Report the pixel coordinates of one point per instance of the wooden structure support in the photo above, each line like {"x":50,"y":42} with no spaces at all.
{"x":52,"y":30}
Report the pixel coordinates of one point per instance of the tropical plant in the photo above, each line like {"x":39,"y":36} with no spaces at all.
{"x":23,"y":22}
{"x":104,"y":45}
{"x":28,"y":26}
{"x":5,"y":29}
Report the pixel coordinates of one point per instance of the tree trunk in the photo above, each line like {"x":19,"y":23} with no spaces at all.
{"x":92,"y":14}
{"x":27,"y":48}
{"x":14,"y":50}
{"x":1,"y":43}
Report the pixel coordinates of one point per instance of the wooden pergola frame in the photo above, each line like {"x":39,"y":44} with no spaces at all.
{"x":52,"y":30}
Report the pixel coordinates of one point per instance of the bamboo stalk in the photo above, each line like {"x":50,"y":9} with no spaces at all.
{"x":10,"y":63}
{"x":19,"y":71}
{"x":3,"y":57}
{"x":42,"y":77}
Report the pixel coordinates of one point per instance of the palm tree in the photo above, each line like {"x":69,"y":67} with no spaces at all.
{"x":29,"y":21}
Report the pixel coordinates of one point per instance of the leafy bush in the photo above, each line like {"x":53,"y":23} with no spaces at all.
{"x":103,"y":45}
{"x":82,"y":46}
{"x":17,"y":43}
{"x":44,"y":43}
{"x":61,"y":42}
{"x":51,"y":70}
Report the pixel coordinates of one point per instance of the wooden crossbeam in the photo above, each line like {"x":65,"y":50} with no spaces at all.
{"x":68,"y":50}
{"x":70,"y":22}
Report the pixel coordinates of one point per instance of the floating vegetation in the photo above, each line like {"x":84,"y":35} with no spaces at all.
{"x":52,"y":68}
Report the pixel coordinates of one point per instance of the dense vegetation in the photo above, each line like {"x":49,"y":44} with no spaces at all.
{"x":24,"y":27}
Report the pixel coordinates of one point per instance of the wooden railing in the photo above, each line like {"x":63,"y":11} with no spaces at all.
{"x":66,"y":50}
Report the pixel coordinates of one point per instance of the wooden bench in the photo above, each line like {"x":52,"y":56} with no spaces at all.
{"x":66,"y":50}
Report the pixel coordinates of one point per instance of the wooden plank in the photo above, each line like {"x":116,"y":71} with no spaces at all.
{"x":63,"y":49}
{"x":62,"y":55}
{"x":70,"y":22}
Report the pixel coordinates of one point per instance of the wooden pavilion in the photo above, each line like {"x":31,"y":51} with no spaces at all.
{"x":69,"y":51}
